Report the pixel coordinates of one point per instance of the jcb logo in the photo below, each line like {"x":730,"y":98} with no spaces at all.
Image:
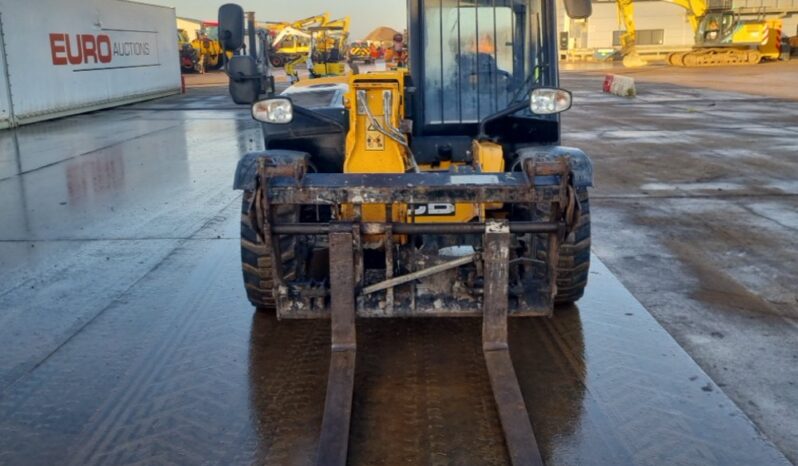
{"x":432,"y":210}
{"x":79,"y":49}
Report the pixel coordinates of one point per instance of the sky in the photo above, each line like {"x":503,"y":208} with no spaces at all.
{"x":366,"y":14}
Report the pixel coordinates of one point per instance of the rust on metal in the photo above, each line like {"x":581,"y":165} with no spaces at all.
{"x":389,"y":259}
{"x":468,"y":186}
{"x":334,"y":438}
{"x":519,"y":436}
{"x":392,"y":282}
{"x":265,"y":219}
{"x":375,"y":228}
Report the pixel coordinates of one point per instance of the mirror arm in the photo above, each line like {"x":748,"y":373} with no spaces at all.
{"x":319,"y":116}
{"x":495,"y":116}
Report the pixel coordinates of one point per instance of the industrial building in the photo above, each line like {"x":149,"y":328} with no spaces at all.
{"x":662,"y":26}
{"x":190,"y":25}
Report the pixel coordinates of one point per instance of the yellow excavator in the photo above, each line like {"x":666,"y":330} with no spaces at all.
{"x":209,"y":49}
{"x":722,"y":37}
{"x":327,"y":52}
{"x":328,"y":48}
{"x":292,"y":40}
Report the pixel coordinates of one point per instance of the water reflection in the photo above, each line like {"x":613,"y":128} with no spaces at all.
{"x":59,"y":187}
{"x":548,"y":355}
{"x":288,"y":375}
{"x":95,"y":176}
{"x":421,"y":389}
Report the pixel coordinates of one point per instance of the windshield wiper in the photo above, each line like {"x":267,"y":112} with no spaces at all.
{"x":526,"y":88}
{"x":537,"y":71}
{"x":520,"y":99}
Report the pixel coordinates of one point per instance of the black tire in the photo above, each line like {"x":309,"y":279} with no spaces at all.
{"x":256,"y":262}
{"x":276,"y":61}
{"x":573,"y":267}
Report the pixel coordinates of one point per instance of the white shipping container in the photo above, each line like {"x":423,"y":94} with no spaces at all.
{"x":66,"y":56}
{"x":5,"y":90}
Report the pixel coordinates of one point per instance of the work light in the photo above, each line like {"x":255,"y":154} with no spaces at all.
{"x":278,"y":111}
{"x":546,"y":101}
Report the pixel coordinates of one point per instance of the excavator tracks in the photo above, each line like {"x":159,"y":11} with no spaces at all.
{"x":714,"y":57}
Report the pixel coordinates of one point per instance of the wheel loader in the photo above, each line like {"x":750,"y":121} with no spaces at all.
{"x":208,"y":48}
{"x":440,"y":190}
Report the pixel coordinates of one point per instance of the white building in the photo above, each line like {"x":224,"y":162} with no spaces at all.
{"x":191,"y":26}
{"x":660,"y":24}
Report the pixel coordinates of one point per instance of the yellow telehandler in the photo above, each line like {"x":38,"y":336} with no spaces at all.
{"x":440,"y":190}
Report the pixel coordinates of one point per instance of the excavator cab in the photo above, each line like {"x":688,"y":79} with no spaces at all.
{"x":440,"y":190}
{"x":328,"y":49}
{"x":716,"y":28}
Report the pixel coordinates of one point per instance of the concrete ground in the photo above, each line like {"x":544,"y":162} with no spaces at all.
{"x":126,"y":337}
{"x":696,"y":211}
{"x":769,"y":79}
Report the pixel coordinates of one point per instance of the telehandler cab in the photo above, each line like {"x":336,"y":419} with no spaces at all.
{"x":436,"y":191}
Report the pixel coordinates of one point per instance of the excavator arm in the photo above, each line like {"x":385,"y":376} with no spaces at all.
{"x":339,"y":35}
{"x":289,"y":31}
{"x":695,"y":11}
{"x":626,"y":12}
{"x":318,"y":20}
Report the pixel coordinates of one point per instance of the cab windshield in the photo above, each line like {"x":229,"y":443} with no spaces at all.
{"x":479,"y":56}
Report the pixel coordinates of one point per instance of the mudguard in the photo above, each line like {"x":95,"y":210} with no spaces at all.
{"x":581,"y":166}
{"x":247,"y":168}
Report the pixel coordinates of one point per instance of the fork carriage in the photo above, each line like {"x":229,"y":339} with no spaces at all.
{"x":413,"y":269}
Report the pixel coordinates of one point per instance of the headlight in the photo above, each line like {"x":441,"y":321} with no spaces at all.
{"x":279,"y":111}
{"x":546,"y":101}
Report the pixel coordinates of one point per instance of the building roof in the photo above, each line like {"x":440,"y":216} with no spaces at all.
{"x":192,"y":20}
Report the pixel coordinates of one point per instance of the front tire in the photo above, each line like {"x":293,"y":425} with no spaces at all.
{"x":574,"y":264}
{"x":256,"y":260}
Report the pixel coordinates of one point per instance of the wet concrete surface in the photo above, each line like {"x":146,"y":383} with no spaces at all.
{"x":695,"y":211}
{"x":126,"y":337}
{"x":769,"y":79}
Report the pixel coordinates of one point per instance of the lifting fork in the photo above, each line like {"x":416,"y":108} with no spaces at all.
{"x":334,"y":440}
{"x":518,"y":435}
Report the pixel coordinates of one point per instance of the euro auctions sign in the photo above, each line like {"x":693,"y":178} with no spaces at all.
{"x":106,"y":50}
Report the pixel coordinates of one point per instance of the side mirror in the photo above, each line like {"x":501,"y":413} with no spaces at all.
{"x":244,"y":87}
{"x":578,"y":9}
{"x":231,"y":26}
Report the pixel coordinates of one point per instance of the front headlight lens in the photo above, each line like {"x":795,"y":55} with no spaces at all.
{"x":546,"y":101}
{"x":278,"y":111}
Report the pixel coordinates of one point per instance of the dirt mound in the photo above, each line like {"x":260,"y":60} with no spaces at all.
{"x":381,"y":34}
